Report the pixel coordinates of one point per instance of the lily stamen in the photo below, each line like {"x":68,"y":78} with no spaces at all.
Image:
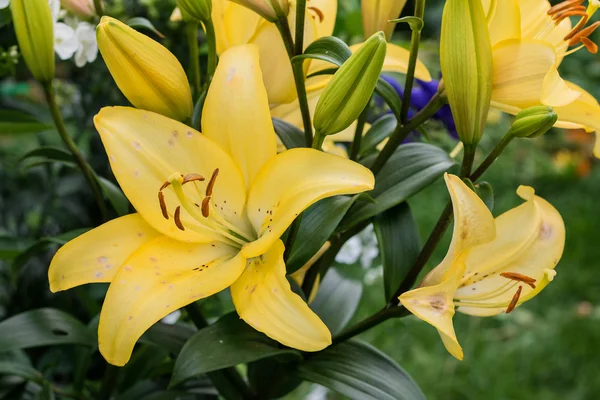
{"x":584,"y":34}
{"x":211,"y":183}
{"x":177,"y":218}
{"x":193,"y":177}
{"x":514,"y":301}
{"x":205,"y":207}
{"x":515,"y":276}
{"x":163,"y":204}
{"x":565,"y":5}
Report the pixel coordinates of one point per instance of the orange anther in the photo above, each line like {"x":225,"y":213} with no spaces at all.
{"x":514,"y":301}
{"x":177,"y":218}
{"x":205,"y":207}
{"x":565,"y":5}
{"x":163,"y":205}
{"x":515,"y":276}
{"x":192,"y":177}
{"x":211,"y":183}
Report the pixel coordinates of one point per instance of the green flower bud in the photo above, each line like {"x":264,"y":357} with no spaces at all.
{"x":350,"y":89}
{"x":197,"y":9}
{"x":533,"y":122}
{"x":466,"y":61}
{"x":271,"y":10}
{"x":35,"y":33}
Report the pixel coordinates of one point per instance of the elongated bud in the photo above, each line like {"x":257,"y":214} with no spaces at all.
{"x":533,"y":122}
{"x":466,"y":60}
{"x":197,"y":9}
{"x":147,"y":73}
{"x":81,"y":8}
{"x":350,"y":89}
{"x":35,"y":33}
{"x":270,"y":10}
{"x":377,"y":13}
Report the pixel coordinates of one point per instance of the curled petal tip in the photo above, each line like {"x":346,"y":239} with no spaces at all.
{"x":526,"y":192}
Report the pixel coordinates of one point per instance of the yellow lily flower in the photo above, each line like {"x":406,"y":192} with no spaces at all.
{"x":530,"y":39}
{"x":377,"y":13}
{"x":211,"y":208}
{"x":491,"y":265}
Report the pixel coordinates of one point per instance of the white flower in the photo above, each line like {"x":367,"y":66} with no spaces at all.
{"x":4,"y":3}
{"x":65,"y":41}
{"x":88,"y":46}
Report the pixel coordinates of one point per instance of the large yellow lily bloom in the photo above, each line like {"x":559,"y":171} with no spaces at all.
{"x":211,"y":208}
{"x":491,"y":265}
{"x":528,"y":47}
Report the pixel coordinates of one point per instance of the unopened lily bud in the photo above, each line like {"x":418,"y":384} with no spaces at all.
{"x":197,"y":9}
{"x":271,"y":10}
{"x":350,"y":89}
{"x":466,"y":61}
{"x":377,"y":13}
{"x":147,"y":73}
{"x":35,"y":33}
{"x":533,"y":122}
{"x":81,"y":8}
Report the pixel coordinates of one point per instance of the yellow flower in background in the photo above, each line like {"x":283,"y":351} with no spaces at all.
{"x":211,"y":208}
{"x":492,"y":265}
{"x":268,"y":9}
{"x":34,"y":29}
{"x":377,"y":13}
{"x":146,"y":72}
{"x":530,"y":39}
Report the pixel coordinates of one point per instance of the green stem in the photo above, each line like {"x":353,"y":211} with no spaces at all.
{"x":286,"y":35}
{"x":436,"y":235}
{"x":370,"y":322}
{"x":68,"y":141}
{"x":99,"y":8}
{"x":227,"y":381}
{"x":194,"y":67}
{"x":499,"y":149}
{"x":402,"y":131}
{"x":358,"y":134}
{"x":109,"y":381}
{"x":412,"y":62}
{"x":300,"y":16}
{"x":318,"y":141}
{"x":212,"y":49}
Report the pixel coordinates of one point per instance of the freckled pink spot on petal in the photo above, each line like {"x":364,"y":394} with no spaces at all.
{"x":153,"y":259}
{"x":130,"y":318}
{"x":157,"y":274}
{"x":112,"y":158}
{"x":137,"y":287}
{"x":102,"y":260}
{"x":62,"y":277}
{"x":128,"y":268}
{"x":189,"y":134}
{"x":171,"y":287}
{"x":99,"y":275}
{"x":136,"y":173}
{"x":140,"y":234}
{"x":137,"y":146}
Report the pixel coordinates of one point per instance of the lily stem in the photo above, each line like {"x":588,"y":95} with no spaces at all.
{"x":402,"y":131}
{"x":300,"y":17}
{"x":436,"y":235}
{"x":194,"y":68}
{"x":99,"y":8}
{"x":358,"y":134}
{"x":370,"y":322}
{"x":495,"y":153}
{"x":227,"y":381}
{"x":212,"y":48}
{"x":415,"y":40}
{"x":286,"y":35}
{"x":109,"y":381}
{"x":89,"y":174}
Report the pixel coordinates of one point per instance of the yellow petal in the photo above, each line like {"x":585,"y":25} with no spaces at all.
{"x":582,"y":113}
{"x":506,"y":21}
{"x":291,"y":113}
{"x":530,"y":241}
{"x":145,"y":149}
{"x":324,"y":13}
{"x":434,"y":305}
{"x":240,"y":23}
{"x":219,"y":10}
{"x":263,"y":298}
{"x":161,"y":277}
{"x":96,"y":255}
{"x":597,"y":146}
{"x":236,"y":112}
{"x":290,"y":183}
{"x":525,"y":75}
{"x":473,"y":226}
{"x":537,"y":24}
{"x":377,"y":13}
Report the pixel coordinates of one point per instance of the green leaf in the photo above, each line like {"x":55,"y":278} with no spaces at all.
{"x":318,"y":223}
{"x":14,"y":122}
{"x":337,"y":300}
{"x":399,"y":245}
{"x":19,"y":369}
{"x":380,"y":130}
{"x":169,"y":337}
{"x":43,"y":327}
{"x":290,"y":136}
{"x":227,"y":343}
{"x":329,"y":49}
{"x":11,"y":247}
{"x":272,"y":379}
{"x":361,"y":372}
{"x":416,"y":24}
{"x":115,"y":196}
{"x":412,"y":167}
{"x":50,"y":153}
{"x":140,"y":22}
{"x":389,"y":95}
{"x":485,"y":191}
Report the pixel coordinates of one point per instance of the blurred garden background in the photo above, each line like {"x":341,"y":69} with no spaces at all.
{"x":547,"y":349}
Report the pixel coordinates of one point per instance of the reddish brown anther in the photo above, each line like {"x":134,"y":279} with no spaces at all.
{"x":515,"y":300}
{"x":192,"y":178}
{"x":211,"y":183}
{"x":589,"y":45}
{"x":515,"y":276}
{"x":584,"y":33}
{"x":177,"y":218}
{"x":163,"y":205}
{"x":206,"y":207}
{"x":165,"y":185}
{"x":318,"y":12}
{"x":565,"y":5}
